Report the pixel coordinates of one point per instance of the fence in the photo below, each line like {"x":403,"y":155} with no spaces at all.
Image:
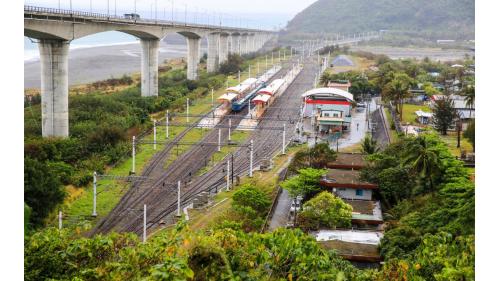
{"x":282,"y":176}
{"x":395,"y":119}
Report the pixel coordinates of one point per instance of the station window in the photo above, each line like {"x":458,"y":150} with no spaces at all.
{"x":359,"y":192}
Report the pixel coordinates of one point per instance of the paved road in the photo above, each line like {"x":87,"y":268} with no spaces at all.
{"x":379,"y":133}
{"x":280,"y":215}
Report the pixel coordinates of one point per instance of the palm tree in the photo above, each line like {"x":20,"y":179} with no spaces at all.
{"x":325,"y":78}
{"x":470,"y":96}
{"x":369,"y":145}
{"x":397,"y":90}
{"x":422,"y":156}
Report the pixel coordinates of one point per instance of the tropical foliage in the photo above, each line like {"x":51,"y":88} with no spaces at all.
{"x":181,"y":254}
{"x":325,"y":210}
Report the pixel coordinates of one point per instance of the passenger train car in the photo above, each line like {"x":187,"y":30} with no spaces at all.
{"x":261,"y":83}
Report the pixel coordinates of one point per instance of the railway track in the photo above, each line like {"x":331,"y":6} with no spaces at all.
{"x":162,"y":190}
{"x":266,"y":144}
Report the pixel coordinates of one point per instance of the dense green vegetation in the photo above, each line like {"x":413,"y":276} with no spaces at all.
{"x":250,"y":205}
{"x":425,"y":19}
{"x":315,"y":157}
{"x":324,"y":211}
{"x":426,"y":193}
{"x":430,"y":234}
{"x":430,"y":209}
{"x":220,"y":254}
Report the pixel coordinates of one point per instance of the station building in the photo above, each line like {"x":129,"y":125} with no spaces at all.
{"x":329,"y":109}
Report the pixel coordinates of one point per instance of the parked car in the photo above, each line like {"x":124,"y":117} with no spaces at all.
{"x":296,"y":203}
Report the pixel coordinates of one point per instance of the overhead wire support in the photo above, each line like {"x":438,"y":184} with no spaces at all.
{"x":199,"y":143}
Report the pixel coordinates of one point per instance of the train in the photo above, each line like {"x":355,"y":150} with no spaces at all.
{"x":239,"y":104}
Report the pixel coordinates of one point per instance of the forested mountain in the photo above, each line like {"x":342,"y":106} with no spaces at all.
{"x":431,"y":19}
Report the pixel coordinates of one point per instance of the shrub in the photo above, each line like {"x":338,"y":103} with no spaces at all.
{"x":325,"y":210}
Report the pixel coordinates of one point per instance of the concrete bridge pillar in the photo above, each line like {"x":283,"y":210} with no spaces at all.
{"x":223,"y":48}
{"x":149,"y":67}
{"x":54,"y":90}
{"x":251,"y":43}
{"x":243,"y":44}
{"x":213,"y":50}
{"x":235,"y":44}
{"x":193,"y":57}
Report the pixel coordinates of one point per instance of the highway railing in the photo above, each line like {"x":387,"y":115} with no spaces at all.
{"x":110,"y":17}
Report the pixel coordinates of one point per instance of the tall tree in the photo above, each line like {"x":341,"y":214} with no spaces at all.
{"x":42,"y":190}
{"x":469,"y":92}
{"x":443,"y":114}
{"x":397,"y":90}
{"x":422,"y":156}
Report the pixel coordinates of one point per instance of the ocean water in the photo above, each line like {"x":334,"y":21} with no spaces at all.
{"x":96,"y":40}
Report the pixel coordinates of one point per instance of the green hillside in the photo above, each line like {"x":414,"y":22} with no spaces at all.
{"x":430,"y":19}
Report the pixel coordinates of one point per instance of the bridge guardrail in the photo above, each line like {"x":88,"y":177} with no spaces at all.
{"x":73,"y":13}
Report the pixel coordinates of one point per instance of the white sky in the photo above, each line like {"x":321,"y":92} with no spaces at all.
{"x":288,"y":7}
{"x":268,"y":14}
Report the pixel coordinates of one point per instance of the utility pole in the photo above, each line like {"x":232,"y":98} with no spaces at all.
{"x":250,"y":173}
{"x":213,"y":105}
{"x":239,"y":77}
{"x":187,"y":110}
{"x":229,"y":132}
{"x":154,"y":134}
{"x":60,"y":220}
{"x":144,"y":233}
{"x":94,"y":189}
{"x":218,"y":144}
{"x":284,"y":136}
{"x":166,"y":124}
{"x":178,"y":199}
{"x":227,"y":176}
{"x":133,"y":154}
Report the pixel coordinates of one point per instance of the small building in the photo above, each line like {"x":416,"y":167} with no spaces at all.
{"x":460,"y":105}
{"x":423,"y":117}
{"x":353,"y":245}
{"x":329,"y":109}
{"x":342,"y":85}
{"x":348,"y":161}
{"x":346,"y":184}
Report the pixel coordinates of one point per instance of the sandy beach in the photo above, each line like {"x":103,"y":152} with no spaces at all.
{"x":436,"y":54}
{"x":88,"y":65}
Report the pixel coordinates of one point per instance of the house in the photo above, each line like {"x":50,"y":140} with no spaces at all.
{"x":423,"y":117}
{"x":460,"y":104}
{"x":347,"y":161}
{"x":329,"y":109}
{"x":346,"y":184}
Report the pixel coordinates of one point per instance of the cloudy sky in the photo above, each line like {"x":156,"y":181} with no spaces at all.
{"x":254,"y":12}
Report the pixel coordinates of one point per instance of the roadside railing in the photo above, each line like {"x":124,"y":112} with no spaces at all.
{"x":111,"y":17}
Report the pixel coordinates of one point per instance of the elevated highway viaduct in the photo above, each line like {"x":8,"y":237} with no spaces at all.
{"x":54,"y":29}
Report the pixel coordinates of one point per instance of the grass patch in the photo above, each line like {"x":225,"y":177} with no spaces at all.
{"x":451,"y":142}
{"x":409,"y":115}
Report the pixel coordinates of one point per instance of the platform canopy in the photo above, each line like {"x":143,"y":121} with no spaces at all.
{"x":261,"y":99}
{"x":227,"y":97}
{"x":328,"y":93}
{"x":240,"y":88}
{"x":272,"y":88}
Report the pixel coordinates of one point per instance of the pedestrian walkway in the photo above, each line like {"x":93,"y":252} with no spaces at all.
{"x":280,"y":215}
